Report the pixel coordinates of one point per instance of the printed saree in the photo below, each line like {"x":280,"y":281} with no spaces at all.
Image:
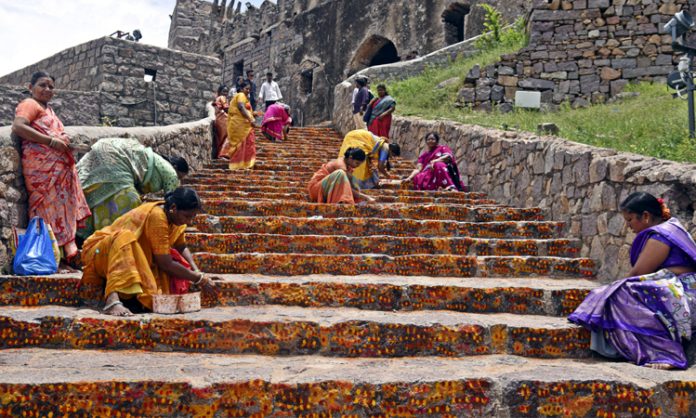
{"x":644,"y":319}
{"x":442,"y":175}
{"x":332,"y":184}
{"x":50,"y":176}
{"x":374,"y":147}
{"x":120,"y":257}
{"x":241,"y":141}
{"x":274,"y":121}
{"x":221,"y":108}
{"x":377,"y":126}
{"x":114,"y":174}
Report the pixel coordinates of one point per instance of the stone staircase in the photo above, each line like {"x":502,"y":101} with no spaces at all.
{"x":425,"y":304}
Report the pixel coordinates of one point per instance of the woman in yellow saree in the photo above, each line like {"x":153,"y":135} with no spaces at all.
{"x":134,"y":258}
{"x":241,"y":141}
{"x":375,"y":148}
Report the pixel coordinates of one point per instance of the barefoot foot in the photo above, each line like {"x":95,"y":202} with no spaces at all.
{"x":660,"y":366}
{"x":116,"y":309}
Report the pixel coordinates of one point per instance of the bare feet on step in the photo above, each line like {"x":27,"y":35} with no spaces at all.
{"x":660,"y":366}
{"x":113,"y":306}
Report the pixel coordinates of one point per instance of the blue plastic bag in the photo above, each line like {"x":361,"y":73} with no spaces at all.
{"x":35,"y":251}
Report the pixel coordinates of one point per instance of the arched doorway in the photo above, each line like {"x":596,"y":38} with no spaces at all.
{"x":454,"y":19}
{"x":375,"y":50}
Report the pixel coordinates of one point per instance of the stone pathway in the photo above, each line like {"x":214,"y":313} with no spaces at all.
{"x":425,"y":304}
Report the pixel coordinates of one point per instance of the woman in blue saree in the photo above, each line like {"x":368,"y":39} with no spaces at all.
{"x":646,"y":317}
{"x":379,"y":112}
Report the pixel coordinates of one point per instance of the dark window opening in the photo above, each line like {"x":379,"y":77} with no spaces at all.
{"x":150,"y":74}
{"x":238,"y":69}
{"x":306,"y":81}
{"x":385,"y":55}
{"x":454,"y":19}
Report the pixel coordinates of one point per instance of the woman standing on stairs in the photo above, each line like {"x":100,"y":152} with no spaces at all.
{"x":139,"y":254}
{"x":49,"y":166}
{"x":437,"y":168}
{"x":241,"y":141}
{"x":334,"y":182}
{"x":379,"y":112}
{"x":374,"y":147}
{"x":646,"y":317}
{"x":221,"y":106}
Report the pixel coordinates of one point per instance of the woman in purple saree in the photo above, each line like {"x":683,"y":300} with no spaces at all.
{"x":436,"y":168}
{"x":646,"y":317}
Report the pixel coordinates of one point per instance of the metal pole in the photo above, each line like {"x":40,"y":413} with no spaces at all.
{"x":154,"y":99}
{"x":690,"y":89}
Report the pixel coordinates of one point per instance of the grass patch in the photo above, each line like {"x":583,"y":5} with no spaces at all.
{"x":652,"y":123}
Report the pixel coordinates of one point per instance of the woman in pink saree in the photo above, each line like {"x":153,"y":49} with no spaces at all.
{"x":49,"y":166}
{"x":276,"y":122}
{"x":437,"y":168}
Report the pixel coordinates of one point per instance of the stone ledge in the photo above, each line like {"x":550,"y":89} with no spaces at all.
{"x":203,"y":384}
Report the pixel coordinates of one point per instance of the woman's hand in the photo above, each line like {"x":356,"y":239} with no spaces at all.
{"x":59,"y":144}
{"x":208,"y":284}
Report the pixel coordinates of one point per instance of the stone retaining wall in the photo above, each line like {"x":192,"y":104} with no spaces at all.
{"x":190,"y":140}
{"x":111,"y":73}
{"x":76,"y":108}
{"x":580,"y":52}
{"x":578,"y":184}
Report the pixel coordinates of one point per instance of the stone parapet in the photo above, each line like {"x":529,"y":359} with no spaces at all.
{"x":189,"y":140}
{"x":76,"y":108}
{"x":108,"y":75}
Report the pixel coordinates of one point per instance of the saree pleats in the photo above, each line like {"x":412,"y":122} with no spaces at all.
{"x":241,"y":141}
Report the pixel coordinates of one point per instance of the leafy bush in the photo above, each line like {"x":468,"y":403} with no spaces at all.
{"x":496,"y":35}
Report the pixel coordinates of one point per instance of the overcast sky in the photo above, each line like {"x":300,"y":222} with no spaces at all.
{"x":34,"y":30}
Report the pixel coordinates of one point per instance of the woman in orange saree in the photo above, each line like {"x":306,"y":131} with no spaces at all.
{"x":134,"y":258}
{"x":334,"y":182}
{"x":221,"y":106}
{"x":241,"y":141}
{"x":49,"y":166}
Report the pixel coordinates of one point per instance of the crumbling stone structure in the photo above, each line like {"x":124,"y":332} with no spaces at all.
{"x":106,"y":77}
{"x":311,"y":45}
{"x":580,"y":52}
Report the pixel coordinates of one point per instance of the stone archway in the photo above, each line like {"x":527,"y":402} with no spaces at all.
{"x":375,"y":50}
{"x":454,"y":20}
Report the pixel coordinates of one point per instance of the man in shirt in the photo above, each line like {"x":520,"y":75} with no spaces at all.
{"x":252,"y":93}
{"x":270,"y":92}
{"x":361,"y":101}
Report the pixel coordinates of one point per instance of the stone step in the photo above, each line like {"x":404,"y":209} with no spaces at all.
{"x":466,"y":213}
{"x":141,"y":383}
{"x":288,"y":330}
{"x":290,"y":264}
{"x":302,"y":195}
{"x":379,"y":244}
{"x":278,"y":169}
{"x":266,"y":158}
{"x":252,"y":176}
{"x":356,"y":227}
{"x":232,"y":187}
{"x":251,"y":179}
{"x":532,"y":296}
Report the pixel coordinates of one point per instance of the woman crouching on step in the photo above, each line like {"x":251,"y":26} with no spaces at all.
{"x":646,"y":317}
{"x":142,"y":254}
{"x":334,"y":182}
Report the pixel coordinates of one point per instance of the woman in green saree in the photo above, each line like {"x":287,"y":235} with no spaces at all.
{"x":116,"y":172}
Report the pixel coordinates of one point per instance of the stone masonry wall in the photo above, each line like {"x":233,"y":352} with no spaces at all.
{"x":79,"y":108}
{"x":190,"y":140}
{"x":113,"y":69}
{"x":311,"y":45}
{"x":578,"y":184}
{"x":580,"y":52}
